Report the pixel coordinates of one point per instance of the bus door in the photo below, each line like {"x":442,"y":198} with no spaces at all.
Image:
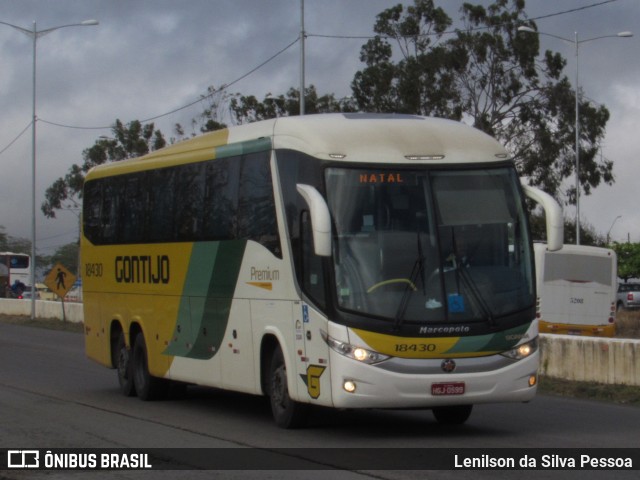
{"x":312,"y":353}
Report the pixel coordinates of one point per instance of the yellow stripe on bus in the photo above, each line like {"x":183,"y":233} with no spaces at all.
{"x":407,"y":347}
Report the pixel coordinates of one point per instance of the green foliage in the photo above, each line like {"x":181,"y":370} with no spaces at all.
{"x":628,"y":260}
{"x":487,"y":74}
{"x":248,"y":109}
{"x":67,"y":255}
{"x":132,"y":140}
{"x":588,"y":234}
{"x":210,"y":119}
{"x":14,"y":244}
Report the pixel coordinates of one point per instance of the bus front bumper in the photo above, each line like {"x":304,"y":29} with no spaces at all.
{"x":358,"y":385}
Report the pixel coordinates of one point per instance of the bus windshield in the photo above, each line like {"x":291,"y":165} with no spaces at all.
{"x":430,"y":246}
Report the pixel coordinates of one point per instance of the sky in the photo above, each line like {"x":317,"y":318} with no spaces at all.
{"x":149,"y":57}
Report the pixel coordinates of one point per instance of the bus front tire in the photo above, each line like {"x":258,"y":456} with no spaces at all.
{"x":123,"y":367}
{"x":453,"y":415}
{"x":287,"y":413}
{"x":147,"y":386}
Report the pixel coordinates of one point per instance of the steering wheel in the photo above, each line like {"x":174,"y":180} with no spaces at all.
{"x":372,"y":288}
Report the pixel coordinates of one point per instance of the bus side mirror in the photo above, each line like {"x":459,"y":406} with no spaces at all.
{"x":320,"y":219}
{"x":553,"y":213}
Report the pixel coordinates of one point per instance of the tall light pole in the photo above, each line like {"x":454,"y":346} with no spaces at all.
{"x":611,"y":227}
{"x":34,"y":34}
{"x":302,"y":67}
{"x":576,"y":44}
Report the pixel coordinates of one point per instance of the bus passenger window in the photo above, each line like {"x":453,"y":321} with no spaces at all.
{"x":256,"y":206}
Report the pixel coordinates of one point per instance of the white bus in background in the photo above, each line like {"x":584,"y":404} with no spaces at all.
{"x":19,"y":265}
{"x":576,"y":290}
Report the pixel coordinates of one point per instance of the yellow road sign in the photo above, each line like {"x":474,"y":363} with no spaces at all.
{"x":60,"y":280}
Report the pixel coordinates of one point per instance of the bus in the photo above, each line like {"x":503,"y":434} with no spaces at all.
{"x":577,"y":288}
{"x":338,"y":260}
{"x":18,"y":265}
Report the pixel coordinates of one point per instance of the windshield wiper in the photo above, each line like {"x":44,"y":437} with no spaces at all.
{"x":472,"y":288}
{"x":460,"y":267}
{"x":418,"y":267}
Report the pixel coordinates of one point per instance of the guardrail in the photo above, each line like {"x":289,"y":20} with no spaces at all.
{"x":588,"y":359}
{"x":44,"y":309}
{"x":614,"y":361}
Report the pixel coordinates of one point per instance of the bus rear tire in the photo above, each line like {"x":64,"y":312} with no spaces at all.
{"x":287,"y":413}
{"x":453,"y":415}
{"x":147,"y":386}
{"x":123,"y":367}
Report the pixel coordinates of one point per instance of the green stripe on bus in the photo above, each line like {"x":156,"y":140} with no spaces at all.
{"x":206,"y":302}
{"x":243,"y":148}
{"x":493,"y":342}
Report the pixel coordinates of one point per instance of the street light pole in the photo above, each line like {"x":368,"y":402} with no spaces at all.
{"x":577,"y":129}
{"x":611,"y":227}
{"x":302,"y":54}
{"x":32,"y":280}
{"x":576,"y":43}
{"x":34,"y":34}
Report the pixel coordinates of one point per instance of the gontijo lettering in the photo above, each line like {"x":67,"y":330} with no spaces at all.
{"x":142,"y":269}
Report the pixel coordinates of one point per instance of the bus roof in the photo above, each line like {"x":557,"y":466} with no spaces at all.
{"x":357,"y":137}
{"x":570,"y":249}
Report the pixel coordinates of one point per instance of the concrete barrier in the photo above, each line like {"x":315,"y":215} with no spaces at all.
{"x":44,"y":309}
{"x":588,"y":359}
{"x":591,"y":359}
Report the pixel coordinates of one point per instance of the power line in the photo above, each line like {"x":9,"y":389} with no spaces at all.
{"x":225,"y":86}
{"x":16,"y":139}
{"x":203,"y":97}
{"x":369,"y":37}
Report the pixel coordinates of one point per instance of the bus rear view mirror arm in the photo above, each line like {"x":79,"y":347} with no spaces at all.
{"x":320,"y":219}
{"x":553,"y":213}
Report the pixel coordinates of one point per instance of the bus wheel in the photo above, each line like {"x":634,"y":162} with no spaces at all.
{"x":454,"y":415}
{"x":147,"y":386}
{"x":123,"y":366}
{"x":286,"y":412}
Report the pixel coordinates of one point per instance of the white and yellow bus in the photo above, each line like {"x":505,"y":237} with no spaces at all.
{"x":344,"y":260}
{"x":577,"y":288}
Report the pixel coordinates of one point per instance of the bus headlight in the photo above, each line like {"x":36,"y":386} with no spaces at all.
{"x":360,"y":354}
{"x":522,"y":351}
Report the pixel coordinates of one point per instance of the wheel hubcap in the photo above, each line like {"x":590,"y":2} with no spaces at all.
{"x":123,"y":363}
{"x":278,"y":387}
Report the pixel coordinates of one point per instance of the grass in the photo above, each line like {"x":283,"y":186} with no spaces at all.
{"x":49,"y":323}
{"x":619,"y":394}
{"x":628,"y":326}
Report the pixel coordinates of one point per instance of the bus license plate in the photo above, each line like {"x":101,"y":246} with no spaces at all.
{"x":449,"y":388}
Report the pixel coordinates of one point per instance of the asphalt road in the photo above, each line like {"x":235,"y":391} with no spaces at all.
{"x":52,"y":396}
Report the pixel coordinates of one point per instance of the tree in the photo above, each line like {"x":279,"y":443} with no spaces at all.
{"x":489,"y":75}
{"x":248,"y":109}
{"x":14,"y":244}
{"x":67,"y":255}
{"x":3,"y":239}
{"x":216,"y":106}
{"x":588,"y":234}
{"x":628,"y":260}
{"x":422,"y":80}
{"x":132,"y":140}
